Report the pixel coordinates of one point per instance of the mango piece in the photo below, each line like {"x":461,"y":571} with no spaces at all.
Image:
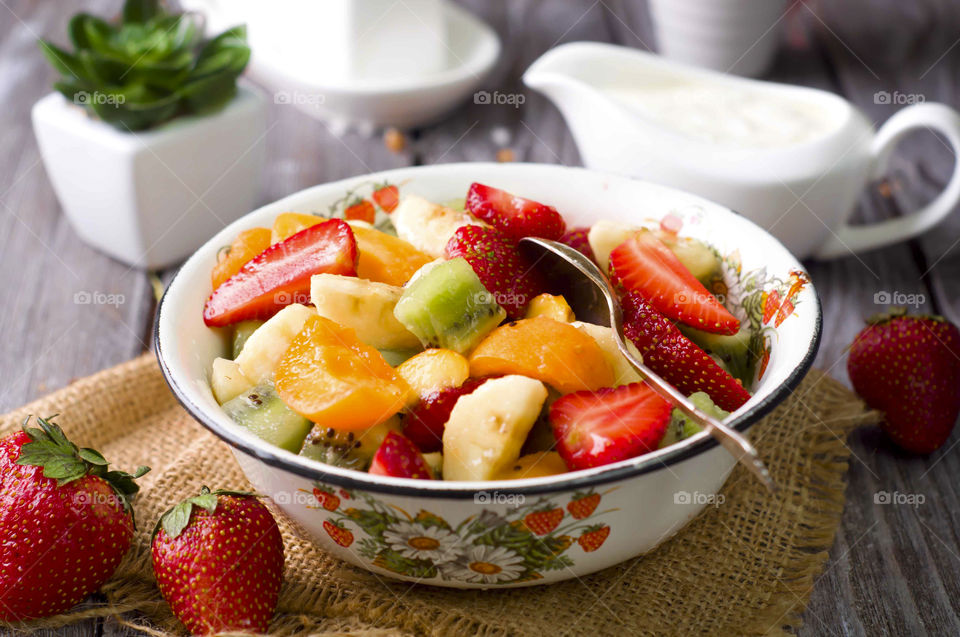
{"x":246,"y":246}
{"x":556,"y":353}
{"x":288,"y":224}
{"x":385,"y":258}
{"x":434,"y":369}
{"x":555,"y":307}
{"x":333,"y":379}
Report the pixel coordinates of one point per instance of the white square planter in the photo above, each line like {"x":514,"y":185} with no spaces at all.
{"x":151,"y":198}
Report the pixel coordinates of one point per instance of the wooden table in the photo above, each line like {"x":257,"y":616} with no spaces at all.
{"x":892,"y":570}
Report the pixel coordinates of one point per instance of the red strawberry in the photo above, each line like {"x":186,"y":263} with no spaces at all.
{"x":425,"y":422}
{"x":338,"y":534}
{"x":576,"y":238}
{"x":643,"y":264}
{"x":595,"y":428}
{"x":676,"y":358}
{"x":498,"y":263}
{"x":514,"y":216}
{"x":399,"y":457}
{"x":65,"y":522}
{"x":218,"y":559}
{"x":594,"y":537}
{"x":280,"y":275}
{"x":583,"y":506}
{"x":360,"y":210}
{"x":327,"y":500}
{"x":387,"y":197}
{"x":909,"y":368}
{"x":542,"y":522}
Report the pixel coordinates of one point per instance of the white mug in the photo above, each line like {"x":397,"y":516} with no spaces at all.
{"x":733,"y":36}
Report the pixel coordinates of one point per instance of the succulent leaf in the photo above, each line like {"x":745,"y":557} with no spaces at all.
{"x":148,"y":68}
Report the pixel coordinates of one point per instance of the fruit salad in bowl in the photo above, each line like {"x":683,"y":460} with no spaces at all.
{"x":396,"y":373}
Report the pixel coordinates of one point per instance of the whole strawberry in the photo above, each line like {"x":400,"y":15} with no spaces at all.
{"x":218,"y":559}
{"x":65,"y":521}
{"x":909,"y":368}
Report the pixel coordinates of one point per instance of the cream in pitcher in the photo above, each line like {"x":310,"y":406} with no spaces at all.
{"x":793,"y":159}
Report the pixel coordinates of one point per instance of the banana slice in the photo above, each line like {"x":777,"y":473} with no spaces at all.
{"x":364,"y":306}
{"x":226,"y":380}
{"x":623,"y":371}
{"x":266,"y":346}
{"x":487,"y":427}
{"x":604,"y":236}
{"x":428,"y":226}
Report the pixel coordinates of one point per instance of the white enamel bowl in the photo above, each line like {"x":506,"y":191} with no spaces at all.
{"x":531,"y":531}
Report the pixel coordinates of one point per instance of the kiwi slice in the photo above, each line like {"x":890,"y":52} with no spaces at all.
{"x":348,"y":449}
{"x":262,"y":411}
{"x":737,"y":353}
{"x":447,"y":306}
{"x":241,"y":332}
{"x":681,"y":426}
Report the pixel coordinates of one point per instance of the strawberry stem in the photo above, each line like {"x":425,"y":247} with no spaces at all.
{"x":63,"y":461}
{"x":177,"y":518}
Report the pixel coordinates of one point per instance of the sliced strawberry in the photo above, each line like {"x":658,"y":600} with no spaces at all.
{"x":595,"y":428}
{"x":425,"y":423}
{"x":577,"y":239}
{"x":399,"y":457}
{"x":676,"y":358}
{"x":643,"y":264}
{"x":506,"y":274}
{"x":514,"y":216}
{"x":280,"y":275}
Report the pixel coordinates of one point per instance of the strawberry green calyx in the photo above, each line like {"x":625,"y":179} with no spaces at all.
{"x":63,"y":461}
{"x":176,"y":519}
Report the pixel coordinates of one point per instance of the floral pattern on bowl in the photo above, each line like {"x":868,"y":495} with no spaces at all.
{"x":489,"y":548}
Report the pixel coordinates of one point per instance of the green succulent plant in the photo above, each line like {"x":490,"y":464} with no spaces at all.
{"x":149,"y":67}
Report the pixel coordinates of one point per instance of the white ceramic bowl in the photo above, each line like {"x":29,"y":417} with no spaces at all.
{"x":480,"y":534}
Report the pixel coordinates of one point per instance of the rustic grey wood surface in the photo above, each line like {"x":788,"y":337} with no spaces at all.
{"x":893,"y":569}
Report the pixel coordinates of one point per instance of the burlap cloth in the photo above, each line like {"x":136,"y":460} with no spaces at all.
{"x":746,"y":566}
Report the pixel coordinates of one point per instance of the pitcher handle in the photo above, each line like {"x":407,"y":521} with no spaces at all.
{"x":936,"y":117}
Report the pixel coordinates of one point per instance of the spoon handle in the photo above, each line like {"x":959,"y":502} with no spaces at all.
{"x":731,"y":440}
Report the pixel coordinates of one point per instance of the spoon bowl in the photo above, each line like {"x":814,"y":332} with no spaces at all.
{"x":592,"y":299}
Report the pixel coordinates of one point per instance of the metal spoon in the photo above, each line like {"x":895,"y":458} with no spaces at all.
{"x":593,"y":300}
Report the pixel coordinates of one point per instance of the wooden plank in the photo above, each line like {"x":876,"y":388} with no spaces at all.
{"x":49,"y":339}
{"x":534,"y":131}
{"x":56,"y":338}
{"x":908,"y":583}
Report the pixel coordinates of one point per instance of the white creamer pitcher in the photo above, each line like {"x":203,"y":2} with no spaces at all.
{"x":790,"y":158}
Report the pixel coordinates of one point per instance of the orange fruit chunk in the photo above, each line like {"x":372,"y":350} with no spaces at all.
{"x":247,"y":245}
{"x":552,"y":352}
{"x":333,"y":379}
{"x":386,"y":258}
{"x":288,"y":224}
